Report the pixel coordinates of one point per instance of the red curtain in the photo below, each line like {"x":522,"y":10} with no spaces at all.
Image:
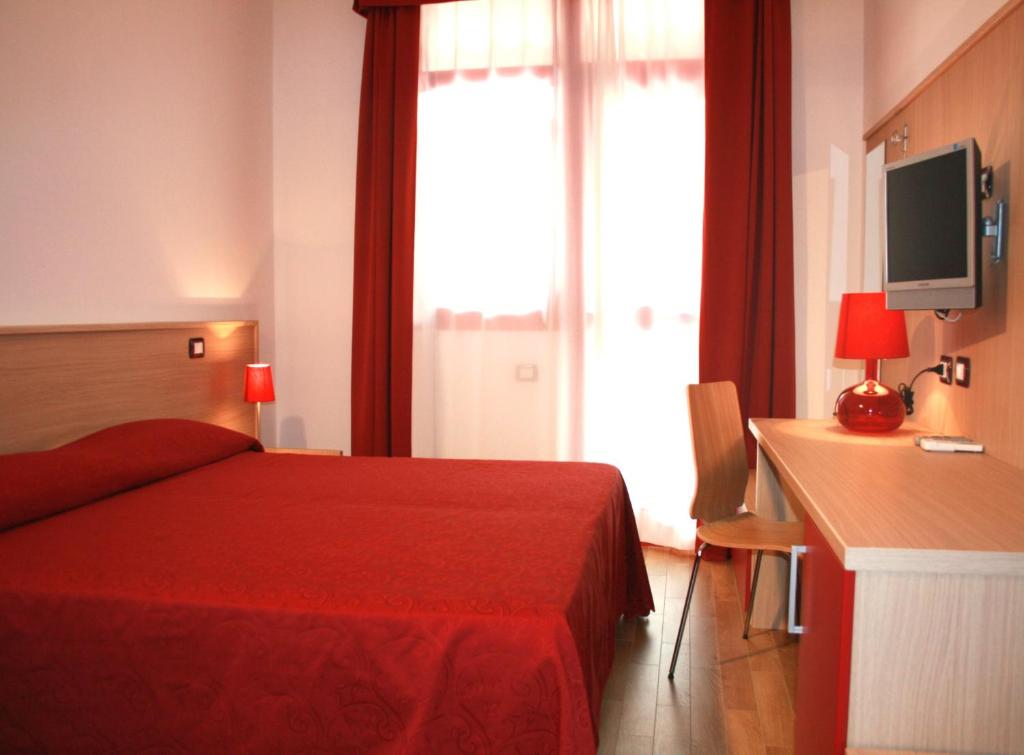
{"x":385,"y":215}
{"x":384,"y":228}
{"x":746,"y":313}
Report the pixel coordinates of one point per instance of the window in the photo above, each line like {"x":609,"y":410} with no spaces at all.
{"x":559,"y":208}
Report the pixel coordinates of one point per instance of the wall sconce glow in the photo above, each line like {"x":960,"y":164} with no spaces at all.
{"x":225,"y":329}
{"x":208,"y":270}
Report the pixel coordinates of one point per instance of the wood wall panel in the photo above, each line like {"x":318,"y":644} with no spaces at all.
{"x":60,"y":383}
{"x":979,"y":94}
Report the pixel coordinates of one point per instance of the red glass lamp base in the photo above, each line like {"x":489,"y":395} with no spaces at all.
{"x":870,"y":407}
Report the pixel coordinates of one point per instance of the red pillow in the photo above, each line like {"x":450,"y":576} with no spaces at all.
{"x":41,"y":483}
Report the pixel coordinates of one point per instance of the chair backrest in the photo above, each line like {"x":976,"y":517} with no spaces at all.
{"x":719,"y":450}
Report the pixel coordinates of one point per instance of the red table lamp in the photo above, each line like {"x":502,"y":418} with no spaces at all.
{"x":869,"y":331}
{"x":259,"y":387}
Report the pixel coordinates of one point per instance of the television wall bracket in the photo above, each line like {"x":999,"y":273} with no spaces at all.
{"x":997,"y":228}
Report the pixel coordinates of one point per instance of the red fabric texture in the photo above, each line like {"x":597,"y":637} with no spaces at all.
{"x":746,"y":314}
{"x":41,"y":483}
{"x":286,"y":603}
{"x":385,"y":216}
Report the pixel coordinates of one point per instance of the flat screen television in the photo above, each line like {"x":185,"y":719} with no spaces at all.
{"x":933,"y":229}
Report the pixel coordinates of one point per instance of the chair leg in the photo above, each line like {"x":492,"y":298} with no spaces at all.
{"x":686,"y":610}
{"x":753,"y":592}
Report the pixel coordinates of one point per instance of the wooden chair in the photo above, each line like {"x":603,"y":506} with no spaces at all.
{"x":720,"y":458}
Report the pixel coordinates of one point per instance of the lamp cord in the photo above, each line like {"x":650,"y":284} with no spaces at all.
{"x":907,"y":391}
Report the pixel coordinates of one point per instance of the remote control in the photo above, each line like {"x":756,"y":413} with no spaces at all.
{"x":948,"y":443}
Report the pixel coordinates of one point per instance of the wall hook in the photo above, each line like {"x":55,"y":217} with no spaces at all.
{"x":901,"y":139}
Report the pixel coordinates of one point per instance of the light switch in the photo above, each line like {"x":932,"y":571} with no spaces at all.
{"x":526,"y":373}
{"x":962,"y":371}
{"x":196,"y":348}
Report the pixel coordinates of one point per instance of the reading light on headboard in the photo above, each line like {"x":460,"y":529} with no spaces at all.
{"x":259,"y":383}
{"x":259,"y":387}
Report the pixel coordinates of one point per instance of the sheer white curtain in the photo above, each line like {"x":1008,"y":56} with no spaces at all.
{"x":558,"y":240}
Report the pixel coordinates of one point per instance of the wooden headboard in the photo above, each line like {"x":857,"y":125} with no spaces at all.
{"x":58,"y":383}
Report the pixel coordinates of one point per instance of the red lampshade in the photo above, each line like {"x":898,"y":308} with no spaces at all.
{"x":259,"y":383}
{"x":867,"y":330}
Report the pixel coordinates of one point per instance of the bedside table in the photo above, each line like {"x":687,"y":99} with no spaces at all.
{"x":305,"y":451}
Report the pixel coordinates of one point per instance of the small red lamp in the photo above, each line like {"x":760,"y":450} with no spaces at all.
{"x":259,"y":387}
{"x":869,"y":331}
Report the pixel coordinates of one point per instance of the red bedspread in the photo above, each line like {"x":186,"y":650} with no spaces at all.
{"x":282,"y":603}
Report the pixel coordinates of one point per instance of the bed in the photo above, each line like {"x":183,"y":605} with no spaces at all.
{"x":166,"y":586}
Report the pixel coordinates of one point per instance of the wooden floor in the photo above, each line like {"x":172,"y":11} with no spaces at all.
{"x":730,"y":695}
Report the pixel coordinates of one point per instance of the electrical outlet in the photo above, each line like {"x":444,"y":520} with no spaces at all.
{"x":962,"y":371}
{"x":947,"y":369}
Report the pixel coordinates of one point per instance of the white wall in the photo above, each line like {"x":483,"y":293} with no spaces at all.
{"x":180,"y":160}
{"x":828,"y":187}
{"x":318,"y":48}
{"x":905,"y":41}
{"x":135,"y":163}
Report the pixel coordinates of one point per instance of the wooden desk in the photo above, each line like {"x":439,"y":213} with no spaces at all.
{"x":912,"y":591}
